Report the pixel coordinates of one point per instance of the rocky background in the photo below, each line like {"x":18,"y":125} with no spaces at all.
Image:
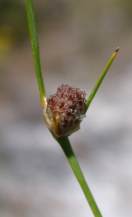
{"x":76,"y":38}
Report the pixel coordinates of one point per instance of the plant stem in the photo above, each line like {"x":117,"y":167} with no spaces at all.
{"x":64,"y":142}
{"x":101,"y":78}
{"x":35,"y":48}
{"x":69,"y":153}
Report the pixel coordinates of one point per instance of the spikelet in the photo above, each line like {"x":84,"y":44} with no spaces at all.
{"x":65,"y":110}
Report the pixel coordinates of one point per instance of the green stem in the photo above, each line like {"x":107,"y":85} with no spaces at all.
{"x":69,"y":153}
{"x":64,"y":142}
{"x":101,"y":78}
{"x":35,"y":47}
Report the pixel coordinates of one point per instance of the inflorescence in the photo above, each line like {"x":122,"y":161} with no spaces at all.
{"x":65,"y":110}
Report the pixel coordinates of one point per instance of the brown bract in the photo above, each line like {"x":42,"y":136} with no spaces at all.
{"x":65,"y":110}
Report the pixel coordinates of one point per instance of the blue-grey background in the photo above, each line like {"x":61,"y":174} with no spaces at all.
{"x":76,"y":39}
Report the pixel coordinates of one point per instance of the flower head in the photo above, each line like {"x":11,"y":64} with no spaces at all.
{"x":65,"y":110}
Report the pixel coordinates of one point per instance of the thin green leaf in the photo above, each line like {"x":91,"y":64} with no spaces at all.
{"x":101,"y":78}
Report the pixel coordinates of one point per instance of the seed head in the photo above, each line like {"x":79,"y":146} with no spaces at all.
{"x":65,"y":110}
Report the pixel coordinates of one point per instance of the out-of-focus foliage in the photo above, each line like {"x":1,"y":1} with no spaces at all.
{"x":13,"y":22}
{"x":89,"y":17}
{"x":12,"y":25}
{"x":12,"y":19}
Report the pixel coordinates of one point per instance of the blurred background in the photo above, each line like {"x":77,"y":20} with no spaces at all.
{"x":76,"y":39}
